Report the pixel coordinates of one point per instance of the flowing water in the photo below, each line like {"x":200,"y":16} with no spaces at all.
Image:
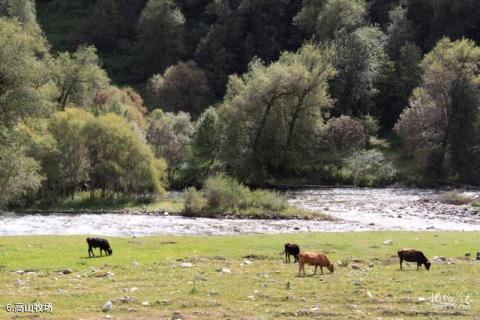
{"x":357,"y":209}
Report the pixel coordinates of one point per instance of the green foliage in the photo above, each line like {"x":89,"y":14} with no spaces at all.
{"x":70,"y":156}
{"x":398,"y":87}
{"x":369,"y":168}
{"x":79,"y":77}
{"x":25,"y":86}
{"x":239,"y":31}
{"x":118,"y":160}
{"x":124,"y":102}
{"x":399,"y":31}
{"x":454,"y":197}
{"x":24,"y":11}
{"x":170,"y":135}
{"x":328,"y":19}
{"x":222,"y":195}
{"x":206,"y":141}
{"x":203,"y":158}
{"x":20,"y":175}
{"x":160,"y":32}
{"x":370,"y":124}
{"x":77,"y":150}
{"x":194,"y":202}
{"x":429,"y":124}
{"x":435,"y":19}
{"x":362,"y":63}
{"x":342,"y":136}
{"x":271,"y":122}
{"x":360,"y":56}
{"x":183,"y":87}
{"x":464,"y":125}
{"x":272,"y":114}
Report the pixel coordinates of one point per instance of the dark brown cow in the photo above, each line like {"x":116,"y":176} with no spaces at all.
{"x":98,"y":243}
{"x":412,"y":255}
{"x":291,"y":249}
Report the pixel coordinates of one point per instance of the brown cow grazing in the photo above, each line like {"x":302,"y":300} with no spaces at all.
{"x":291,"y":249}
{"x":313,"y":258}
{"x":412,"y":255}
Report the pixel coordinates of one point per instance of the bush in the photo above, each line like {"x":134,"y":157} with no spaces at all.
{"x":195,"y":203}
{"x":454,"y":197}
{"x":370,"y":124}
{"x":222,"y":194}
{"x":369,"y":168}
{"x":344,"y":135}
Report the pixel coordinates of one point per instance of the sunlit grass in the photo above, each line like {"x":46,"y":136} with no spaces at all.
{"x":262,"y":287}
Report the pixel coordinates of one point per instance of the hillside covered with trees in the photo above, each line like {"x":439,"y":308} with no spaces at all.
{"x":129,"y":98}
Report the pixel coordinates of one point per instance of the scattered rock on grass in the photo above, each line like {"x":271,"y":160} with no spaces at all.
{"x":125,"y":299}
{"x":19,"y":272}
{"x":176,"y":316}
{"x":226,"y":270}
{"x":439,"y":259}
{"x":388,"y":242}
{"x":107,"y":306}
{"x":355,"y":266}
{"x":186,"y":265}
{"x":145,"y":303}
{"x":356,"y":283}
{"x":67,"y":271}
{"x":421,"y":300}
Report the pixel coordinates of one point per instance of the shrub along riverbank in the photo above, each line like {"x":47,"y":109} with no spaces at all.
{"x":224,"y":196}
{"x":220,"y":197}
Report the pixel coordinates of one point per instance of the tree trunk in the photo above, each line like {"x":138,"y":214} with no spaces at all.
{"x":291,"y":126}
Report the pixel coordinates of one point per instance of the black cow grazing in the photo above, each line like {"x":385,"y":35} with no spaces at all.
{"x":98,"y":243}
{"x":291,"y":249}
{"x":412,"y":255}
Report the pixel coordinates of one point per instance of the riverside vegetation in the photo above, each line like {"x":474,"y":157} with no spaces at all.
{"x":243,"y":276}
{"x":97,"y":98}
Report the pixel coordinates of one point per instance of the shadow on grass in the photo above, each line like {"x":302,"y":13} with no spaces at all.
{"x":95,"y":257}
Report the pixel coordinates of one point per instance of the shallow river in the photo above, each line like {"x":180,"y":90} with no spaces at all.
{"x":357,"y":210}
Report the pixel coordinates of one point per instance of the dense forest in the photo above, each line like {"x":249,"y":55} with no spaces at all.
{"x":128,"y":98}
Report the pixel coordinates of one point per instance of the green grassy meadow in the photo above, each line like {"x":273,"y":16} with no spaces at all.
{"x":261,"y":286}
